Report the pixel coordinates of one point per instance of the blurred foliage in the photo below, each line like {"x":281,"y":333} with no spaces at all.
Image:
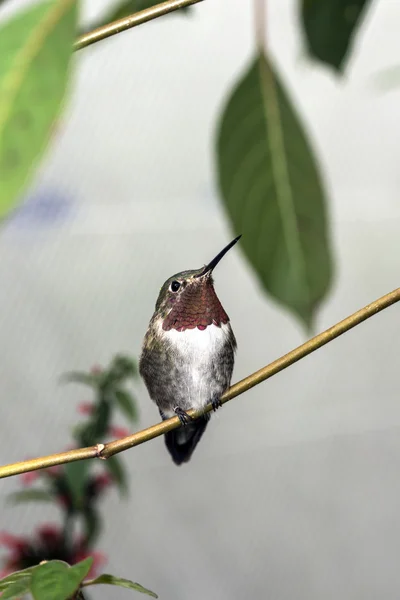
{"x":330,"y":27}
{"x":126,"y":583}
{"x":272,"y":191}
{"x":76,"y":487}
{"x":57,"y":580}
{"x":108,"y":385}
{"x":35,"y":52}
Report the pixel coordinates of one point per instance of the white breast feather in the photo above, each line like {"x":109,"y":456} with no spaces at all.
{"x":199,"y":348}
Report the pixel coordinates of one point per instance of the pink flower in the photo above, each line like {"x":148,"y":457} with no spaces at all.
{"x":28,"y":478}
{"x":85,"y":408}
{"x":19,"y":547}
{"x":49,"y":535}
{"x":13,"y":542}
{"x":118,"y":432}
{"x":53,"y":471}
{"x":46,"y":544}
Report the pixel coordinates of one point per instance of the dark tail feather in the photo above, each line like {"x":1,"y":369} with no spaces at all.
{"x":182,"y":442}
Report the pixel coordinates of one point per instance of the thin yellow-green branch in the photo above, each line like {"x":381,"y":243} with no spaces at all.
{"x":105,"y":31}
{"x":104,"y":451}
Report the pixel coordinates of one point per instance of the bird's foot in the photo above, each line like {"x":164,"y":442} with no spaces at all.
{"x":216,"y":403}
{"x":183,"y":416}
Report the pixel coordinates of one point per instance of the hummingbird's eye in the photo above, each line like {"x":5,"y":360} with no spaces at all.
{"x":175,"y":285}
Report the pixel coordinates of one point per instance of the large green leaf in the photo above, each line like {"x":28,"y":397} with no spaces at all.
{"x":16,"y":576}
{"x":17,"y":588}
{"x":272,"y":191}
{"x":35,"y":51}
{"x":54,"y":580}
{"x":330,"y":26}
{"x":111,"y":580}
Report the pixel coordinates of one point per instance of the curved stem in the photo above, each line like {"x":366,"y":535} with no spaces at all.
{"x":104,"y":451}
{"x":105,"y":31}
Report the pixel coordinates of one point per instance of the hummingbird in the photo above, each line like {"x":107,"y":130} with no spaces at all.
{"x":188,"y":354}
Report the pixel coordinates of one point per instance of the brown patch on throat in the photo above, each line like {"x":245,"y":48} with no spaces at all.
{"x":197,"y":306}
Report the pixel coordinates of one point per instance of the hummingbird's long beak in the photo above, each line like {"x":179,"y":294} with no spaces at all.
{"x":211,"y":265}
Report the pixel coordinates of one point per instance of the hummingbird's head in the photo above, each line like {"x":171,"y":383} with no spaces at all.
{"x":188,"y":299}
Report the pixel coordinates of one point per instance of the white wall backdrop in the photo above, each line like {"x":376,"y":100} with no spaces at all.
{"x":294,"y":492}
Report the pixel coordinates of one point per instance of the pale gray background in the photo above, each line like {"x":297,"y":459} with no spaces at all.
{"x":295,"y":491}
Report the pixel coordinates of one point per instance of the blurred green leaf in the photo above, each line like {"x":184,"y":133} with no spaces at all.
{"x":30,"y":496}
{"x":35,"y":52}
{"x":13,"y":577}
{"x":55,"y":580}
{"x":272,"y":191}
{"x":330,"y":26}
{"x":111,"y":580}
{"x":127,"y":404}
{"x":79,"y":433}
{"x":117,"y":471}
{"x":93,"y":380}
{"x":17,"y":589}
{"x":88,"y":434}
{"x":92,"y":525}
{"x":100,"y":422}
{"x":122,"y":367}
{"x":76,"y":479}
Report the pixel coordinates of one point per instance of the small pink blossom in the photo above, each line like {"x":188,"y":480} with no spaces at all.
{"x":28,"y":478}
{"x":13,"y":542}
{"x":85,"y":408}
{"x":53,"y":471}
{"x":118,"y":432}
